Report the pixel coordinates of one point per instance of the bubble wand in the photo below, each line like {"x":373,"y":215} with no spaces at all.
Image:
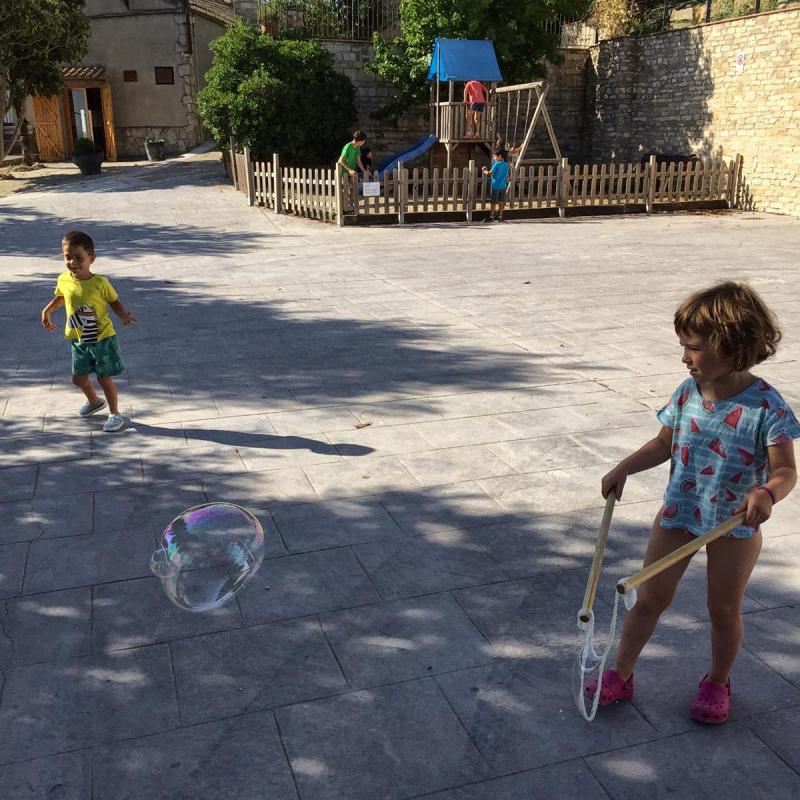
{"x":589,"y":662}
{"x":627,"y":586}
{"x":588,"y":659}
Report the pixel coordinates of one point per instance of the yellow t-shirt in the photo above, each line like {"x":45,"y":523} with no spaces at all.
{"x":86,"y":304}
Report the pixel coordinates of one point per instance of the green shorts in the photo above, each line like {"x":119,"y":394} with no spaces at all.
{"x":103,"y":358}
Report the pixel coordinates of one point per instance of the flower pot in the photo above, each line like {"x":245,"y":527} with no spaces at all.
{"x":155,"y":150}
{"x":88,"y":163}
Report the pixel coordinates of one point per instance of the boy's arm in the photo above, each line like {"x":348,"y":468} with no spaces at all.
{"x":55,"y":303}
{"x":341,"y":162}
{"x":655,"y":452}
{"x":125,"y":314}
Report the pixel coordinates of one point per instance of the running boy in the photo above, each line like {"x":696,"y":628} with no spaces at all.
{"x":95,"y":348}
{"x":729,"y":436}
{"x":499,"y":173}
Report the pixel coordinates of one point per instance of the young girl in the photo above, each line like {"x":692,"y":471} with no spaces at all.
{"x":729,"y":435}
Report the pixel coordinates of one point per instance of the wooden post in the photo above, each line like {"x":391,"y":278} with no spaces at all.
{"x":399,"y":192}
{"x":337,"y":171}
{"x":733,"y":181}
{"x":651,"y":184}
{"x":250,"y":175}
{"x":469,"y":191}
{"x":708,"y":11}
{"x":562,"y":174}
{"x":233,"y":166}
{"x":276,"y":175}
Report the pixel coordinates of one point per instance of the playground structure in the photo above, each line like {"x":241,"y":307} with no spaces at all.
{"x":544,"y":184}
{"x":510,"y":112}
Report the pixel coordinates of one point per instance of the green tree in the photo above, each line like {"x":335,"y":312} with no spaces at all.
{"x":37,"y":38}
{"x":276,"y":95}
{"x":517,"y":28}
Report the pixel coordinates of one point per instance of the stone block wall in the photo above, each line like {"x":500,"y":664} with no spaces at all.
{"x":372,"y":92}
{"x":569,"y":106}
{"x":681,"y":92}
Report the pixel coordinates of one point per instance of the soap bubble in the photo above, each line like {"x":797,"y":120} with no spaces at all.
{"x":207,"y":554}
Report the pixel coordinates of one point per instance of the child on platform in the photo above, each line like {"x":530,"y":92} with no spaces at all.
{"x":475,"y":101}
{"x":95,"y":348}
{"x":729,"y":435}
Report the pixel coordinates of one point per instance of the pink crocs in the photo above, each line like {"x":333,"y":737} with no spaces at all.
{"x":712,"y":703}
{"x":613,"y":689}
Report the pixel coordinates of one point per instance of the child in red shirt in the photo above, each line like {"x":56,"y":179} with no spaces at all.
{"x":475,"y":100}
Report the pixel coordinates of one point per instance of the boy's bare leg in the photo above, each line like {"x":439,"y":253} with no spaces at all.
{"x":476,"y":121}
{"x":84,"y":383}
{"x":110,"y":391}
{"x":653,"y":597}
{"x":502,"y":206}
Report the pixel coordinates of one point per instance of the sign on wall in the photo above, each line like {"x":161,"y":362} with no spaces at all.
{"x":740,"y":62}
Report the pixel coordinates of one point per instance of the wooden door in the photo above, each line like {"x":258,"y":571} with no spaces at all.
{"x":49,"y":138}
{"x":108,"y":124}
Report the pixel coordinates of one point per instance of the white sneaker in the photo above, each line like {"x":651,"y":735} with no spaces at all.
{"x":113,"y":423}
{"x":86,"y":410}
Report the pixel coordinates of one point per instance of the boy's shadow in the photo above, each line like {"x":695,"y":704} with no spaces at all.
{"x":265,"y":441}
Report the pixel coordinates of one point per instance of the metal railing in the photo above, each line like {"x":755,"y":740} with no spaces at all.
{"x":330,"y":19}
{"x":675,"y":14}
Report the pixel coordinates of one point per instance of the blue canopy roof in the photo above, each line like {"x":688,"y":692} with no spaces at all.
{"x":464,"y":60}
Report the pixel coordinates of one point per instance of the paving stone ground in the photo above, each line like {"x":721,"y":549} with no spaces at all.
{"x":412,"y":629}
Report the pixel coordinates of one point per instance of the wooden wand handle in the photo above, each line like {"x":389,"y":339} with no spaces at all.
{"x":626,"y":584}
{"x":594,"y":574}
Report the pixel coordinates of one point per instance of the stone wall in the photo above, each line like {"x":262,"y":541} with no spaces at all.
{"x":682,"y":93}
{"x":568,"y":105}
{"x":372,"y":92}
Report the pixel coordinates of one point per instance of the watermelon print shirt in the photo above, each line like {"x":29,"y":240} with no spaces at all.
{"x":719,"y":452}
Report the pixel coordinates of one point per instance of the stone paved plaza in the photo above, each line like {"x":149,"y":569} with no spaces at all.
{"x":420,"y":418}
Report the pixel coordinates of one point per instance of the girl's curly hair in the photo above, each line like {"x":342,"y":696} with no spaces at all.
{"x":735,"y":320}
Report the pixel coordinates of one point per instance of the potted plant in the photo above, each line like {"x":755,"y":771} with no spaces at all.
{"x":155,"y":149}
{"x":87,"y":156}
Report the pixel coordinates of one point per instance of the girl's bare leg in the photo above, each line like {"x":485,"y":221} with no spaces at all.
{"x":730,"y":562}
{"x":653,"y":597}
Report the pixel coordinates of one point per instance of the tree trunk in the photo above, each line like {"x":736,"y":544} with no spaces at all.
{"x":3,"y":110}
{"x":25,"y":140}
{"x":20,"y":119}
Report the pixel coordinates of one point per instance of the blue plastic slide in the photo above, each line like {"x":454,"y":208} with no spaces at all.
{"x":420,"y":147}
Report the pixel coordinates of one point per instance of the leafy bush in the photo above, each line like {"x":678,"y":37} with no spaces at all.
{"x":615,"y":17}
{"x":277,"y":96}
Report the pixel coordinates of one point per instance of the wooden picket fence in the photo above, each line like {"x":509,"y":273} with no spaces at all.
{"x":324,"y":195}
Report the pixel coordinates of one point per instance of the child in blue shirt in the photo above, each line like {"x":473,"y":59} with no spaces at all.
{"x":499,"y":174}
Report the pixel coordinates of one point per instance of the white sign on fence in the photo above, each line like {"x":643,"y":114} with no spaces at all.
{"x":740,"y":62}
{"x":372,"y":188}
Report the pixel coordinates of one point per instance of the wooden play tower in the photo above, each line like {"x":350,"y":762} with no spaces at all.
{"x":511,"y":111}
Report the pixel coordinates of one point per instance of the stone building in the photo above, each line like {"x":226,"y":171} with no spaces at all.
{"x":138,"y":81}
